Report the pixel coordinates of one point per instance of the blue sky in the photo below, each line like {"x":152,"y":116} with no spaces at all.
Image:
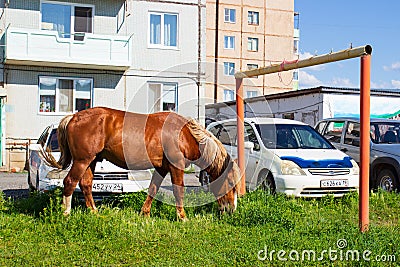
{"x":333,"y":25}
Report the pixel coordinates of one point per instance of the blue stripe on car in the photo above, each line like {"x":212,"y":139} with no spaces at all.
{"x":324,"y":163}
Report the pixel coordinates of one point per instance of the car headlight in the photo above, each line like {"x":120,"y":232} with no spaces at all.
{"x":356,"y":169}
{"x":290,"y":168}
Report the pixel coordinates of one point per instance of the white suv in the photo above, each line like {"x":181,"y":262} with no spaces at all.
{"x":290,"y":157}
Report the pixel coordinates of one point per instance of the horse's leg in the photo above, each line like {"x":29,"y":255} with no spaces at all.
{"x":70,"y":181}
{"x":86,"y":184}
{"x":179,"y":190}
{"x":156,"y":180}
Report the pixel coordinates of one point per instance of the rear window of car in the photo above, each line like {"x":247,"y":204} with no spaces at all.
{"x":53,"y":141}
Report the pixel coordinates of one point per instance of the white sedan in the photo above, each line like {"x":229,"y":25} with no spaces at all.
{"x":108,"y":178}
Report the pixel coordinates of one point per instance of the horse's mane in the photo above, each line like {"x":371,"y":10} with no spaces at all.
{"x":214,"y":153}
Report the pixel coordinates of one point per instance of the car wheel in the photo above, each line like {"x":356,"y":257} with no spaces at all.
{"x":386,"y":180}
{"x":267,"y":183}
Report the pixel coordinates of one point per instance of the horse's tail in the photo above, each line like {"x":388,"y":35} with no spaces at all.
{"x":213,"y":153}
{"x":65,"y":157}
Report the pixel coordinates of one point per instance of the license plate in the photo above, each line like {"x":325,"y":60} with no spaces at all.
{"x":335,"y":183}
{"x":107,"y":187}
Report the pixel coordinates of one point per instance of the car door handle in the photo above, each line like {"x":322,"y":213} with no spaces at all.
{"x":344,"y":150}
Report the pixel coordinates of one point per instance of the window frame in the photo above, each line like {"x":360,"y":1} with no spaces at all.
{"x":253,"y":41}
{"x":57,"y":94}
{"x":228,"y":16}
{"x":72,"y":18}
{"x":250,"y":93}
{"x":250,"y":17}
{"x":228,"y":40}
{"x":231,"y":94}
{"x":161,"y":95}
{"x":228,"y":66}
{"x":162,"y":22}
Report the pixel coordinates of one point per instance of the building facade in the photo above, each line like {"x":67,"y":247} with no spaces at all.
{"x":245,"y":35}
{"x":60,"y":57}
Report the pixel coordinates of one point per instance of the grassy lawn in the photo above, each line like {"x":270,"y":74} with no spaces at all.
{"x":264,"y":231}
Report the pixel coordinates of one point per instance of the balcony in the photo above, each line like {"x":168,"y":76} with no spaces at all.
{"x":46,"y":48}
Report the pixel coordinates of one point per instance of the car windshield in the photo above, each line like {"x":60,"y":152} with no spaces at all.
{"x":385,"y":133}
{"x":291,"y":136}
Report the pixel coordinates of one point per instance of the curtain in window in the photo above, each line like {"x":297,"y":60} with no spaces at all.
{"x":170,"y":30}
{"x":155,"y":29}
{"x":66,"y":95}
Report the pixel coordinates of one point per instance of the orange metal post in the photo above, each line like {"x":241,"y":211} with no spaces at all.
{"x":364,"y":142}
{"x":240,"y":134}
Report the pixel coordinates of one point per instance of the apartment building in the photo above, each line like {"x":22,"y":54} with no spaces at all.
{"x":248,"y":34}
{"x":60,"y":57}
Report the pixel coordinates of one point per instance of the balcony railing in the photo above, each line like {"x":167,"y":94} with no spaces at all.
{"x":46,"y":48}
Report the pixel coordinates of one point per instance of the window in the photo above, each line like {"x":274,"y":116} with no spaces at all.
{"x":333,"y":131}
{"x":230,"y":15}
{"x":352,"y":135}
{"x":295,"y":75}
{"x":252,"y":67}
{"x":229,"y":42}
{"x":288,"y":116}
{"x":64,"y":95}
{"x":252,"y":44}
{"x":229,"y":68}
{"x":227,"y":135}
{"x":163,"y":30}
{"x":162,"y":97}
{"x":250,"y":135}
{"x":251,"y":94}
{"x":253,"y":17}
{"x":67,"y":19}
{"x":229,"y":95}
{"x":296,"y":46}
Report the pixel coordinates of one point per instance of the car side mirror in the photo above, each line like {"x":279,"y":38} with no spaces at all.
{"x":249,"y":145}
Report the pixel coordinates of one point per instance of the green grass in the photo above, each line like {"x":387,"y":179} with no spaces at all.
{"x":33,"y":232}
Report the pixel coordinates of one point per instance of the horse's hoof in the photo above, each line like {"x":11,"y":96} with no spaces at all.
{"x":145,"y":214}
{"x":184,"y":219}
{"x":66,"y":213}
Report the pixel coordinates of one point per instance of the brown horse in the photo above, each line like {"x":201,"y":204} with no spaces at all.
{"x":164,"y":141}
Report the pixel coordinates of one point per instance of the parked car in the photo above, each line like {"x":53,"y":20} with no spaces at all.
{"x":344,"y":134}
{"x":290,"y":157}
{"x":108,"y":178}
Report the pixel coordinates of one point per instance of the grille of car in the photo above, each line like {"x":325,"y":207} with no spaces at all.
{"x":329,"y":172}
{"x":110,"y":176}
{"x":336,"y":191}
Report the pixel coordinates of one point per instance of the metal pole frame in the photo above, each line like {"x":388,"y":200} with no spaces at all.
{"x":365,"y":53}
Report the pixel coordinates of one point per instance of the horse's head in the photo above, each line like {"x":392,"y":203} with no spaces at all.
{"x":225,"y":188}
